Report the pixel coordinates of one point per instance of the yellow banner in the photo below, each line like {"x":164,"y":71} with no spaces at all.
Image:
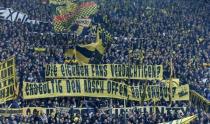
{"x":199,"y":101}
{"x":155,"y":92}
{"x":7,"y":80}
{"x":101,"y":88}
{"x":108,"y":71}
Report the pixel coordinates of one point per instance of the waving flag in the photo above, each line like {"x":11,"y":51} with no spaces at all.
{"x":83,"y":53}
{"x":68,"y":13}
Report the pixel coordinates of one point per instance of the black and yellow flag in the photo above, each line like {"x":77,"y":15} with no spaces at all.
{"x":83,"y":53}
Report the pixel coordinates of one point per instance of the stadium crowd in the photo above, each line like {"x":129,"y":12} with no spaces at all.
{"x":147,"y":31}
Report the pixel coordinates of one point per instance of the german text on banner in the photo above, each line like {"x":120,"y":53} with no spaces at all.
{"x":101,"y":88}
{"x":107,"y":71}
{"x":7,"y":80}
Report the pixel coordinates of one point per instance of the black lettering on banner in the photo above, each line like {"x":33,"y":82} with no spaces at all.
{"x":48,"y":87}
{"x":77,"y":72}
{"x":10,"y":14}
{"x":93,"y":86}
{"x":52,"y":85}
{"x":90,"y":87}
{"x":145,"y":72}
{"x":105,"y":70}
{"x":173,"y":91}
{"x":16,"y":16}
{"x":73,"y":69}
{"x":128,"y":71}
{"x":68,"y":86}
{"x":141,"y":74}
{"x":120,"y":70}
{"x":59,"y":88}
{"x":63,"y":69}
{"x":116,"y":88}
{"x":121,"y":89}
{"x":101,"y":68}
{"x":76,"y":86}
{"x":27,"y":89}
{"x":113,"y":87}
{"x":101,"y":87}
{"x":86,"y":89}
{"x":40,"y":88}
{"x":73,"y":86}
{"x":93,"y":70}
{"x":125,"y":90}
{"x":55,"y":70}
{"x":99,"y":71}
{"x":97,"y":86}
{"x":158,"y":71}
{"x":31,"y":89}
{"x":153,"y":71}
{"x":149,"y":71}
{"x":86,"y":72}
{"x":45,"y":88}
{"x":114,"y":70}
{"x":109,"y":87}
{"x":81,"y":70}
{"x":47,"y":70}
{"x":24,"y":18}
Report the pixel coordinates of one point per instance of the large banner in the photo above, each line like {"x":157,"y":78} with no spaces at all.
{"x":108,"y":71}
{"x":150,"y":109}
{"x":7,"y":80}
{"x":13,"y":15}
{"x":101,"y":88}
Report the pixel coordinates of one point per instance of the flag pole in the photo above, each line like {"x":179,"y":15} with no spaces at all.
{"x":170,"y":81}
